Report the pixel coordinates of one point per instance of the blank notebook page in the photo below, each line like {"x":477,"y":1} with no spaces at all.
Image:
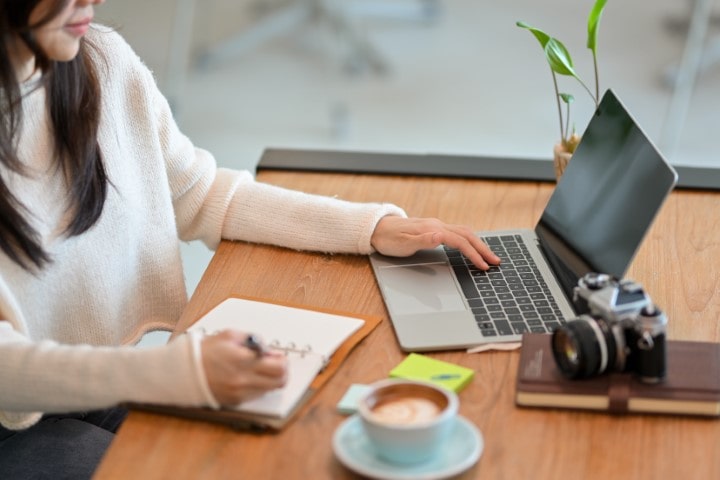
{"x":287,"y":328}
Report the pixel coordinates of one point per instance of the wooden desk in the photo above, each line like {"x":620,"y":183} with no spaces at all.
{"x":677,"y":265}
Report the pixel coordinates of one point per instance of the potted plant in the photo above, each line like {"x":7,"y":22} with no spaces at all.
{"x":561,"y":63}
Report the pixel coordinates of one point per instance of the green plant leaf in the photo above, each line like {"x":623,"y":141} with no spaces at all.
{"x":542,"y":37}
{"x":559,"y":58}
{"x":555,"y":52}
{"x":593,"y":23}
{"x":567,"y":98}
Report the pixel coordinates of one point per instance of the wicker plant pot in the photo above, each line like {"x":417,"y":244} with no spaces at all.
{"x":561,"y":158}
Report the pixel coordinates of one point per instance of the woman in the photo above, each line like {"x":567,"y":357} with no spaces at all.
{"x":97,"y":188}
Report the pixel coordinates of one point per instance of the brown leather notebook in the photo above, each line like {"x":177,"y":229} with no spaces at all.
{"x":691,"y":387}
{"x":296,"y":326}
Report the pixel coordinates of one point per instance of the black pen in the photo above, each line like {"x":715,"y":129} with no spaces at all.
{"x":254,"y":344}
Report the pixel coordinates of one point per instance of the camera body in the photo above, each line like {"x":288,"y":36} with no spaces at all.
{"x":619,"y":329}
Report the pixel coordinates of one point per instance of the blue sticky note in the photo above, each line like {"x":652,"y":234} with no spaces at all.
{"x":348,"y":404}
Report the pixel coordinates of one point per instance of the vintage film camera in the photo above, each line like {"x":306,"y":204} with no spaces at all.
{"x":621,"y":330}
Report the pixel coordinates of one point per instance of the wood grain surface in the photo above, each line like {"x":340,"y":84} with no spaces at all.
{"x":677,"y":265}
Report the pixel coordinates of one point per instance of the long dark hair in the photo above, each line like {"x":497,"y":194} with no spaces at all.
{"x":73,"y":101}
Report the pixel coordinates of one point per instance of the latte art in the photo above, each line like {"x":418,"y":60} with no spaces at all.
{"x":405,"y":411}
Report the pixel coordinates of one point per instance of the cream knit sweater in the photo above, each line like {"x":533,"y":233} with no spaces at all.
{"x":66,"y":333}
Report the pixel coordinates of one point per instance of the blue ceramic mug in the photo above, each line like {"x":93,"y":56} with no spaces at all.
{"x":407,"y":421}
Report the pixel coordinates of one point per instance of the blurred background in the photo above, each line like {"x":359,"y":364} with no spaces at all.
{"x":419,"y":76}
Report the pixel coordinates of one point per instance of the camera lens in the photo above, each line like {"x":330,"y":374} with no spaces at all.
{"x":583,"y":347}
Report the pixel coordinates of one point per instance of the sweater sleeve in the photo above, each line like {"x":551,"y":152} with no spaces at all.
{"x":212,"y":204}
{"x":236,"y":207}
{"x":34,"y":378}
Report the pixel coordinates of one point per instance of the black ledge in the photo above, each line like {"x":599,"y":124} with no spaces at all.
{"x":439,"y":165}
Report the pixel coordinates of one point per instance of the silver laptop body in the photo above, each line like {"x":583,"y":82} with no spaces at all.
{"x":595,"y":220}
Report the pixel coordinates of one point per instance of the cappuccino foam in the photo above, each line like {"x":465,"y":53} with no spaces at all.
{"x":405,"y":411}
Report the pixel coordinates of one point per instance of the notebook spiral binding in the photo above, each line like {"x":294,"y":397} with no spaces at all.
{"x":276,"y":345}
{"x":290,"y":348}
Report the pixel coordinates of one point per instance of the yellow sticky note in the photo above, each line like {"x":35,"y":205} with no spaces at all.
{"x":427,"y":369}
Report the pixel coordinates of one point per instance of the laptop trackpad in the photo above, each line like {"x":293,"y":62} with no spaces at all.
{"x":427,"y":288}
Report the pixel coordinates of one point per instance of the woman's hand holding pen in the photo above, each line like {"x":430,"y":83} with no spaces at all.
{"x":401,"y":237}
{"x":237,"y":369}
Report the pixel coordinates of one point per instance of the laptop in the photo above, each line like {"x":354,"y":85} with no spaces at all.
{"x":594,"y":221}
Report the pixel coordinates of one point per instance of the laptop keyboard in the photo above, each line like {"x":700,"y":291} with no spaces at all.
{"x":511,"y":298}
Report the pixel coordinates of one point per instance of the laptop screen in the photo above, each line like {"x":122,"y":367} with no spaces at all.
{"x":607,"y":198}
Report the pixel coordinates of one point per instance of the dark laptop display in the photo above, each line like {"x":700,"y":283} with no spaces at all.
{"x":597,"y":220}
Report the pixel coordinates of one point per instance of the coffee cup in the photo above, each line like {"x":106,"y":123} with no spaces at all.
{"x":407,"y":421}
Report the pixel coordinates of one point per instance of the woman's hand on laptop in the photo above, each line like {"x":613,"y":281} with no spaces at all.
{"x":401,"y":237}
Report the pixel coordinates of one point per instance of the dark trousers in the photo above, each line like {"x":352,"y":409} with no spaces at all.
{"x":67,"y":446}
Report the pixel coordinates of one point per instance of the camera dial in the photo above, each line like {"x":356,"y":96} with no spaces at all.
{"x":596,"y":281}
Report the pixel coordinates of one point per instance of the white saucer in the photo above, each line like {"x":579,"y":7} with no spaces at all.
{"x":457,"y":454}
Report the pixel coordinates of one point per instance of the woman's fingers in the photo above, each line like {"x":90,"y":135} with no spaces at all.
{"x":401,"y":237}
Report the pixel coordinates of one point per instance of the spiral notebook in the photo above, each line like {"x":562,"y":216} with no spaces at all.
{"x":315,"y":340}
